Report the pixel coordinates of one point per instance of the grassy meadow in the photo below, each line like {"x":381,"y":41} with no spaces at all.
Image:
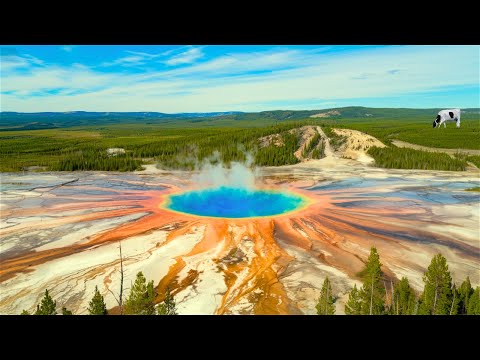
{"x":420,"y":131}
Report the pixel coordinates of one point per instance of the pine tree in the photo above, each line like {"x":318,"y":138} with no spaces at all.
{"x":422,"y":310}
{"x":403,"y":302}
{"x":474,"y":303}
{"x":66,"y":312}
{"x":141,"y":298}
{"x":25,"y":312}
{"x":47,"y":306}
{"x":437,"y":294}
{"x":97,"y":306}
{"x":168,"y":307}
{"x":354,"y":305}
{"x":372,"y":292}
{"x":465,"y":291}
{"x":325,"y":302}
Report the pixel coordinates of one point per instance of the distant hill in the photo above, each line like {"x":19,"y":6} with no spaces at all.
{"x":345,"y":112}
{"x":45,"y":120}
{"x":11,"y":121}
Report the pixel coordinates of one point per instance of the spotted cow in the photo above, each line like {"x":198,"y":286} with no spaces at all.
{"x":447,"y":115}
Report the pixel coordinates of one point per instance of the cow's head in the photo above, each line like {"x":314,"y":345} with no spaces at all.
{"x":436,"y":121}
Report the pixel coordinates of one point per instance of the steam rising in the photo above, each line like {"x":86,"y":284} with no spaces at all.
{"x":240,"y":175}
{"x":231,"y":192}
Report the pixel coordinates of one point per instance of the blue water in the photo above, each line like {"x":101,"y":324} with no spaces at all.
{"x":234,"y":203}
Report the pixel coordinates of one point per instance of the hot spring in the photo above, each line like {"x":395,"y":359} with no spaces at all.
{"x":230,"y":202}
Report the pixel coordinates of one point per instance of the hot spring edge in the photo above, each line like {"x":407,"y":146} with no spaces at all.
{"x":228,"y":202}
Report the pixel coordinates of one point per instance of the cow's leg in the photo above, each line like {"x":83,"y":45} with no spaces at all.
{"x":445,"y":124}
{"x":458,"y":122}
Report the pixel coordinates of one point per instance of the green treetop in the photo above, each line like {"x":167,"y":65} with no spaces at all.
{"x":66,"y":312}
{"x":372,"y":292}
{"x":168,"y":307}
{"x":141,"y":298}
{"x":97,"y":306}
{"x":325,"y":302}
{"x":465,"y":291}
{"x":403,"y":302}
{"x":437,"y":295}
{"x":354,"y":305}
{"x":474,"y":303}
{"x":47,"y":306}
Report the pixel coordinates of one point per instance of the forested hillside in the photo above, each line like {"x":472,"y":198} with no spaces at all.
{"x":185,"y":141}
{"x":79,"y":149}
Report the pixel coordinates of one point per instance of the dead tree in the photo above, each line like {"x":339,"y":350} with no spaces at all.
{"x":120,"y":298}
{"x":371,"y":297}
{"x":453,"y":301}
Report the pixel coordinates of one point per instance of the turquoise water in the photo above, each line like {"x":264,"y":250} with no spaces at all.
{"x":234,"y":203}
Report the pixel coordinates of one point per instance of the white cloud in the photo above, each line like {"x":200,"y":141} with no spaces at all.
{"x":234,"y":64}
{"x":185,"y":57}
{"x":135,"y":58}
{"x":11,"y":63}
{"x":142,"y":54}
{"x":67,"y":48}
{"x":47,"y":78}
{"x":126,"y":61}
{"x":138,"y":58}
{"x":245,"y":81}
{"x":33,"y":60}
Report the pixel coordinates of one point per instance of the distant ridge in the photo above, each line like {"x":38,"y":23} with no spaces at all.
{"x":10,"y":121}
{"x":140,"y":114}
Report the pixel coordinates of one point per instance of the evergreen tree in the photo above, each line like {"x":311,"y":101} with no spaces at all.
{"x":474,"y":303}
{"x":437,"y":294}
{"x":325,"y":302}
{"x":66,"y":312}
{"x":403,"y":302}
{"x":465,"y":291}
{"x":141,"y":298}
{"x":25,"y":312}
{"x":372,"y":292}
{"x":168,"y":307}
{"x":47,"y":306}
{"x":97,"y":306}
{"x":422,"y":310}
{"x":354,"y":304}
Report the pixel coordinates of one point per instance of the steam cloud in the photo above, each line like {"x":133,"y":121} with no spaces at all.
{"x":240,"y":175}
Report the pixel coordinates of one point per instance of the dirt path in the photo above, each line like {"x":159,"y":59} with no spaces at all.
{"x":403,"y":144}
{"x":306,"y":135}
{"x":328,"y":149}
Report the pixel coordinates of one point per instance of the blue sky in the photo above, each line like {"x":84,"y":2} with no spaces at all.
{"x":196,"y":78}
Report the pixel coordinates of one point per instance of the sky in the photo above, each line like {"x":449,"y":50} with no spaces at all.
{"x":209,"y":78}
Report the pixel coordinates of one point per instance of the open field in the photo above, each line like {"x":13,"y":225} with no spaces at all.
{"x":403,"y":144}
{"x":419,"y":131}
